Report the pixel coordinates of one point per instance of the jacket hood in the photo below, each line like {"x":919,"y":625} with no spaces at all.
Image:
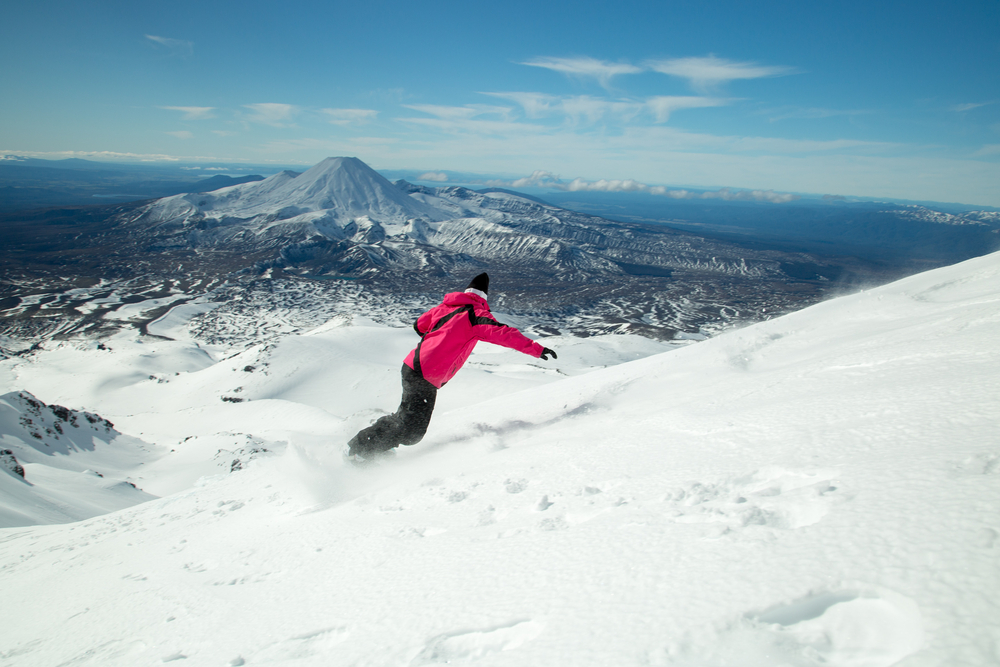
{"x":463,"y":299}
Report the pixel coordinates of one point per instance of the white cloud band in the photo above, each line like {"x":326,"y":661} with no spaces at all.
{"x":546,"y":179}
{"x":710,"y":71}
{"x":193,"y":113}
{"x":349,"y":116}
{"x":269,"y":113}
{"x":585,"y":67}
{"x":179,"y":47}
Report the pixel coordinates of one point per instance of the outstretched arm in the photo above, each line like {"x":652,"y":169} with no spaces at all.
{"x":492,"y":331}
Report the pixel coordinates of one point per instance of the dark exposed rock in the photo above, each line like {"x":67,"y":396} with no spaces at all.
{"x":46,"y":423}
{"x":8,"y":462}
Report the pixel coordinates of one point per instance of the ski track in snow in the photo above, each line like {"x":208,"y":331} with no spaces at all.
{"x":820,"y":489}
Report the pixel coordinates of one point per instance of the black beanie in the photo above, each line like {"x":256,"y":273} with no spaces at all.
{"x":481,"y":283}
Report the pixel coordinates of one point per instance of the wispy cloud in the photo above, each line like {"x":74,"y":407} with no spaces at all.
{"x":193,"y":113}
{"x":609,"y":185}
{"x":729,"y":194}
{"x":663,"y":106}
{"x":808,"y":113}
{"x":535,"y":105}
{"x":470,"y":119}
{"x":269,"y":113}
{"x":584,"y":67}
{"x":586,"y":109}
{"x":130,"y":157}
{"x":328,"y":146}
{"x":477,"y":127}
{"x":465,"y":111}
{"x":972,"y":105}
{"x":616,"y":127}
{"x":706,"y":73}
{"x":177,"y":47}
{"x":538,"y":179}
{"x":443,"y":111}
{"x":181,"y":134}
{"x":793,"y":146}
{"x":349,"y":116}
{"x":546,"y":179}
{"x":434,"y":177}
{"x":365,"y":142}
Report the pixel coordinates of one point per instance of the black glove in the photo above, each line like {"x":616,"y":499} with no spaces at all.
{"x":548,"y":351}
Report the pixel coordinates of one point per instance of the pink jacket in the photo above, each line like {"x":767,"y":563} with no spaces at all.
{"x":450,"y":331}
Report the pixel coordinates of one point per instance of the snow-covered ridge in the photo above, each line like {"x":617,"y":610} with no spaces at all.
{"x":46,"y":423}
{"x":922,"y":213}
{"x":71,"y":463}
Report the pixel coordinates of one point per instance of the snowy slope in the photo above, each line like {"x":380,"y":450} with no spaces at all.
{"x":208,"y":407}
{"x":819,"y":489}
{"x":63,"y":465}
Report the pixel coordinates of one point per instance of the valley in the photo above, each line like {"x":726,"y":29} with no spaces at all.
{"x":341,"y":238}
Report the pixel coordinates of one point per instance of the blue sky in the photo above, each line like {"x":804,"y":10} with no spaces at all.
{"x":875,"y":99}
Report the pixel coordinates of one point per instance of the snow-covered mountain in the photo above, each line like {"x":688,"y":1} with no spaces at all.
{"x":340,"y":223}
{"x":342,"y":218}
{"x":984,"y":218}
{"x":326,"y":198}
{"x":818,"y":489}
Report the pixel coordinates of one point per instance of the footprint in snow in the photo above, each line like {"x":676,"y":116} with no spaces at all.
{"x":980,"y":464}
{"x":310,"y":644}
{"x":553,"y":523}
{"x":860,"y":628}
{"x":457,"y":496}
{"x":468,"y":645}
{"x":770,"y":497}
{"x":515,"y":485}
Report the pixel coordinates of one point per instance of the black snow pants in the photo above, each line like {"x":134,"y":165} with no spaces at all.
{"x":409,"y":423}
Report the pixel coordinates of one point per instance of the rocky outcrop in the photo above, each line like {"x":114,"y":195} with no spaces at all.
{"x":55,"y":429}
{"x":10,"y":464}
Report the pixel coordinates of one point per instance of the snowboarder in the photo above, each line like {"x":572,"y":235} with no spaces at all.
{"x":448,"y":333}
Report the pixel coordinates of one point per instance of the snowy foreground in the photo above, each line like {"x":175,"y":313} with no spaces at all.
{"x":819,"y":489}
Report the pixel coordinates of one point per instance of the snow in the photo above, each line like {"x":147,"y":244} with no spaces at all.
{"x":58,"y":450}
{"x":174,"y":323}
{"x":343,"y":187}
{"x":819,"y":489}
